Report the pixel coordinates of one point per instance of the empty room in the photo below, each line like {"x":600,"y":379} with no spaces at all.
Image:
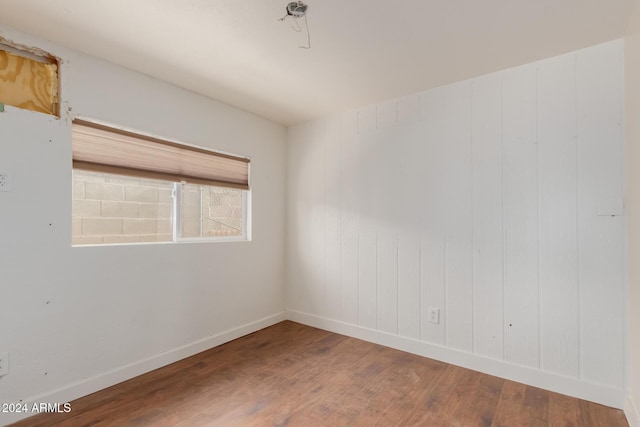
{"x":320,"y":212}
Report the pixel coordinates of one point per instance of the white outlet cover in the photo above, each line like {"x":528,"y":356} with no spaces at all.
{"x":434,"y":315}
{"x":6,"y":180}
{"x":4,"y":363}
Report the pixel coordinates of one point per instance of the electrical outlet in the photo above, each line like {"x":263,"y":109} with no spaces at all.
{"x":4,"y":363}
{"x":434,"y":315}
{"x":5,"y":181}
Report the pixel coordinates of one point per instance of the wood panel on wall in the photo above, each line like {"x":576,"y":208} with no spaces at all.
{"x":28,"y":83}
{"x":497,"y":200}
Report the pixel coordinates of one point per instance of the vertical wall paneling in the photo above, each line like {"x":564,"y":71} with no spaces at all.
{"x":454,"y":125}
{"x":599,"y":111}
{"x":458,"y":279}
{"x":408,"y":109}
{"x":349,"y":281}
{"x":447,"y":218}
{"x":349,"y":219}
{"x":349,"y":125}
{"x":367,"y":120}
{"x":296,"y":294}
{"x":497,"y":200}
{"x":520,"y":216}
{"x":315,"y":258}
{"x":488,"y":329}
{"x":387,"y":261}
{"x":300,"y":160}
{"x":367,"y":276}
{"x":387,"y":114}
{"x":369,"y":203}
{"x":433,"y":220}
{"x":333,"y":218}
{"x":432,"y":290}
{"x":558,"y":239}
{"x":409,"y":286}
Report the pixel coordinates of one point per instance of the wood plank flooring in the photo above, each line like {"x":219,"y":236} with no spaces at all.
{"x":295,"y":375}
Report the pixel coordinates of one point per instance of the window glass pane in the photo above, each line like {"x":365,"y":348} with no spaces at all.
{"x":210,"y":211}
{"x":118,"y":209}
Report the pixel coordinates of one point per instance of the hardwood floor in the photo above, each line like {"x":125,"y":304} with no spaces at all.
{"x":294,"y":375}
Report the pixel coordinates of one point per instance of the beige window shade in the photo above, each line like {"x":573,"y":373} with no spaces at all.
{"x":102,"y":149}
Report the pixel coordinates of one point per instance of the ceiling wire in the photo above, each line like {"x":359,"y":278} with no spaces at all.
{"x":306,"y":24}
{"x":296,"y":10}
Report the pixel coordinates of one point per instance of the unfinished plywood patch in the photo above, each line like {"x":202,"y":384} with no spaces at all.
{"x":28,"y":83}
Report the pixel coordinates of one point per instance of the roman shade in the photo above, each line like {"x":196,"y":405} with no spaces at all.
{"x":100,"y":148}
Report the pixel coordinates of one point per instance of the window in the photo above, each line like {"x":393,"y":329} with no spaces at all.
{"x":129,"y":188}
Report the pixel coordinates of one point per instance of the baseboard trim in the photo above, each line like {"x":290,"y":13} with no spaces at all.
{"x":632,"y":413}
{"x":108,"y":379}
{"x":560,"y":384}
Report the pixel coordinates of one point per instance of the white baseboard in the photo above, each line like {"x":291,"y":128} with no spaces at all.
{"x":107,"y":379}
{"x":557,"y":383}
{"x":632,"y":413}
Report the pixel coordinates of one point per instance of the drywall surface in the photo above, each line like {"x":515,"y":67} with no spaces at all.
{"x":69,"y":315}
{"x":497,"y":201}
{"x":632,"y":92}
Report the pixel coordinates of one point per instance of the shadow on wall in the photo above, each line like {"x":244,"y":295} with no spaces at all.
{"x":496,"y":200}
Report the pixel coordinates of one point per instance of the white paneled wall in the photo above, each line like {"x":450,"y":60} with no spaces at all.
{"x":496,"y":200}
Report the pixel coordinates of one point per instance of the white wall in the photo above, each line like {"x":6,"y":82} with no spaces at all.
{"x":78,"y":319}
{"x":497,"y":200}
{"x":632,"y":81}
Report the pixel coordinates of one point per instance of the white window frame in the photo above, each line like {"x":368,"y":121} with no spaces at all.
{"x":176,"y":223}
{"x":246,"y":234}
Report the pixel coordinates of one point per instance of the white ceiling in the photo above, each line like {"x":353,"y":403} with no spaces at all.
{"x":362,"y":51}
